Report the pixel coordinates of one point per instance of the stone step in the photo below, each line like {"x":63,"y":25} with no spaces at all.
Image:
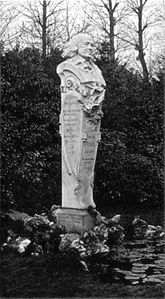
{"x":139,"y":270}
{"x":138,"y":265}
{"x":152,"y":280}
{"x":131,"y":277}
{"x":161,"y":255}
{"x":159,"y":276}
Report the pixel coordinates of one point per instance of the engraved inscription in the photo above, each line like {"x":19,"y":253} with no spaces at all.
{"x":89,"y":149}
{"x":71,"y":119}
{"x":70,"y":221}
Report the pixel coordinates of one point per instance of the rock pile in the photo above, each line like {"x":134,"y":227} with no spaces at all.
{"x":103,"y":249}
{"x":145,"y":258}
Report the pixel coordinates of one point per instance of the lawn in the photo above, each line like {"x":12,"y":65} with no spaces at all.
{"x":42,"y":277}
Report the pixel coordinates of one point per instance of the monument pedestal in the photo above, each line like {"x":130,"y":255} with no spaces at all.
{"x":75,"y":220}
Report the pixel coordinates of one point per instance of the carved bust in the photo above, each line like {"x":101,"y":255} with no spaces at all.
{"x":83,"y":75}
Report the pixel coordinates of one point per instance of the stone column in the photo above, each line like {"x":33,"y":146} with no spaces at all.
{"x":82,"y":93}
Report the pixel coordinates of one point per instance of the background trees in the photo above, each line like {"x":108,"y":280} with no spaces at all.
{"x":142,"y":16}
{"x":130,"y":31}
{"x":8,"y":13}
{"x":31,"y":143}
{"x":105,"y":17}
{"x":130,"y":165}
{"x":43,"y":24}
{"x":48,"y":24}
{"x":129,"y":162}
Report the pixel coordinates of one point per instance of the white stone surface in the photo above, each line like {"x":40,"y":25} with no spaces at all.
{"x":78,"y":221}
{"x":82,"y":93}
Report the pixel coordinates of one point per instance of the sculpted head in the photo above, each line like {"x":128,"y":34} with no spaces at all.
{"x":81,"y":44}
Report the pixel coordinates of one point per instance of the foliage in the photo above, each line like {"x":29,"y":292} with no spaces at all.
{"x":129,"y":161}
{"x":130,"y":156}
{"x":31,"y":167}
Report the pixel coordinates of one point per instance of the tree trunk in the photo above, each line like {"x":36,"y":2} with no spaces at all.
{"x":140,"y":38}
{"x":111,"y":33}
{"x":44,"y":31}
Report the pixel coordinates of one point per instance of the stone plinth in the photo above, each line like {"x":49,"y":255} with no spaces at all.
{"x":74,"y":220}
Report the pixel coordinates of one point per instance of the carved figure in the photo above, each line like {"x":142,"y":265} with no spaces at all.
{"x":82,"y":93}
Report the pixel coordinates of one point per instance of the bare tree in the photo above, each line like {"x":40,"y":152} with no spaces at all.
{"x":75,"y":20}
{"x":8,"y":13}
{"x":50,"y":23}
{"x":106,"y":15}
{"x":42,"y":22}
{"x":137,"y":29}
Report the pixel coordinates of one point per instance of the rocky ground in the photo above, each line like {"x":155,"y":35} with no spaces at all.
{"x":39,"y":260}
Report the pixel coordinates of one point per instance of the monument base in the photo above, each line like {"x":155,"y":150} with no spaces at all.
{"x":75,"y":220}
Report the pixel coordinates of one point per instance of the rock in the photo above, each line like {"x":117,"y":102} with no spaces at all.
{"x":137,"y":264}
{"x":54,"y":212}
{"x":115,"y":219}
{"x":135,"y":245}
{"x":157,"y":276}
{"x":135,"y":282}
{"x":140,"y":227}
{"x":131,"y":277}
{"x":151,"y":255}
{"x":160,"y":266}
{"x":157,"y":272}
{"x":138,"y":221}
{"x":141,"y":276}
{"x":142,"y":230}
{"x":18,"y":244}
{"x":54,"y":208}
{"x":84,"y":266}
{"x":66,"y":241}
{"x":14,"y":220}
{"x":134,"y":260}
{"x":161,"y":255}
{"x":124,"y":272}
{"x":38,"y":222}
{"x":16,"y":215}
{"x":160,"y":263}
{"x":79,"y":245}
{"x":22,"y":244}
{"x":139,"y":270}
{"x":160,"y":245}
{"x":154,"y":232}
{"x":152,"y":280}
{"x":117,"y":269}
{"x":150,"y":265}
{"x":161,"y":276}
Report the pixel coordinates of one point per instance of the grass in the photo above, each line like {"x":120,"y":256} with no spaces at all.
{"x":41,"y":277}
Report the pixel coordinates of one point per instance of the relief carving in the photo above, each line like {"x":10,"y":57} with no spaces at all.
{"x":82,"y":93}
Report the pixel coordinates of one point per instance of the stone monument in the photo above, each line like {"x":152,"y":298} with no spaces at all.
{"x":82,"y":93}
